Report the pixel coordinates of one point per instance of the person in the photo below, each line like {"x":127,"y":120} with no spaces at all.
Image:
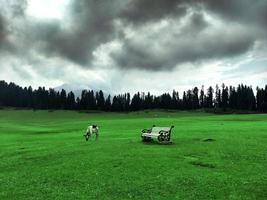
{"x":91,"y":129}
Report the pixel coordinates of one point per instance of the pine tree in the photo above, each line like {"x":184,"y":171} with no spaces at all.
{"x":195,"y":99}
{"x":107,"y":106}
{"x":136,"y":102}
{"x":225,"y":97}
{"x":201,"y":98}
{"x":218,"y":97}
{"x":265,"y":99}
{"x":63,"y":99}
{"x":210,"y":97}
{"x":100,"y":100}
{"x":70,"y":102}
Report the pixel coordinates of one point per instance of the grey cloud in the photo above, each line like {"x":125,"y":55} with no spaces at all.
{"x":22,"y":73}
{"x":17,"y":7}
{"x":140,"y":11}
{"x":2,"y":29}
{"x":13,"y":8}
{"x":90,"y":23}
{"x":194,"y":42}
{"x":10,"y":11}
{"x":243,"y":11}
{"x":5,"y":45}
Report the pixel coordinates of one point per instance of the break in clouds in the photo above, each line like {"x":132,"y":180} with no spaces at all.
{"x":109,"y":38}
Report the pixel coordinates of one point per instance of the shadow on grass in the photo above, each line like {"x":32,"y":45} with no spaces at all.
{"x":202,"y":164}
{"x":157,"y":143}
{"x":209,"y":140}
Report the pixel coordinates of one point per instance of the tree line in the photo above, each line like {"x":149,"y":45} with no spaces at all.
{"x":223,"y":98}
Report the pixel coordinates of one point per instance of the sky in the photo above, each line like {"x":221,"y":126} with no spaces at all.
{"x":133,"y":45}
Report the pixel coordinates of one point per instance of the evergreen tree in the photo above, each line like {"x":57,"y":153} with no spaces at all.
{"x":184,"y":102}
{"x":242,"y":98}
{"x":78,"y":103}
{"x":195,"y":99}
{"x":29,"y":97}
{"x":175,"y":100}
{"x":116,"y":104}
{"x":107,"y":106}
{"x":252,"y":100}
{"x":165,"y":101}
{"x":100,"y":100}
{"x":128,"y":101}
{"x":91,"y":100}
{"x":260,"y":99}
{"x":70,"y":102}
{"x":265,"y":99}
{"x":210,"y":97}
{"x":225,"y":97}
{"x":136,"y":102}
{"x":63,"y":99}
{"x":83,"y":104}
{"x":202,"y":95}
{"x":233,"y":98}
{"x":218,"y":97}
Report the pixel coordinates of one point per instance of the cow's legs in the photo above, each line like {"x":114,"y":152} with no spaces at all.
{"x":87,"y":136}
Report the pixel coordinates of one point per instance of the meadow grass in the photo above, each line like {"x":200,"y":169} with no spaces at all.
{"x":44,"y":156}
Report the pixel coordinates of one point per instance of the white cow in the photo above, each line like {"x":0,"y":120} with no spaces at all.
{"x":91,"y":129}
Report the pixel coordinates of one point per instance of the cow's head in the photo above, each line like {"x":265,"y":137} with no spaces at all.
{"x":94,"y":126}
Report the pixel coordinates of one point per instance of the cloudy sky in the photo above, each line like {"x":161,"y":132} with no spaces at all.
{"x":133,"y":45}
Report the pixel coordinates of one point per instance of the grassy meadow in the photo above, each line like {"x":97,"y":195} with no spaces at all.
{"x":43,"y":155}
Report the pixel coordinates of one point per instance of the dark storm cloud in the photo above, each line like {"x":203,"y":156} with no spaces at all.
{"x":246,"y":11}
{"x":91,"y":23}
{"x":88,"y":24}
{"x":9,"y":12}
{"x":140,"y":11}
{"x":194,"y":42}
{"x":16,"y":7}
{"x":13,"y":8}
{"x":5,"y":45}
{"x":2,"y":30}
{"x":241,"y":10}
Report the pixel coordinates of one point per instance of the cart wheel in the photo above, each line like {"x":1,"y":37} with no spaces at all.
{"x":143,"y":139}
{"x":168,"y":138}
{"x":161,"y":138}
{"x":165,"y":137}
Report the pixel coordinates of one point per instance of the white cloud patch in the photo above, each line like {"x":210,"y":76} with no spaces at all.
{"x":48,"y":9}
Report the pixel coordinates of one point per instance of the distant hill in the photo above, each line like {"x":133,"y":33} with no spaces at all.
{"x":78,"y":88}
{"x":75,"y":88}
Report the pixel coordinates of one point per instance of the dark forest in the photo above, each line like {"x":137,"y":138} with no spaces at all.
{"x":222,"y":98}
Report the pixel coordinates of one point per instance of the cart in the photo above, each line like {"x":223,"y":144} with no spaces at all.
{"x":160,"y":134}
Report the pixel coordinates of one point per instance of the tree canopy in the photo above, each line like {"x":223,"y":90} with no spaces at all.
{"x":241,"y":97}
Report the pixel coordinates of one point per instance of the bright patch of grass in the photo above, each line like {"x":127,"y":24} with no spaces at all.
{"x":44,"y":156}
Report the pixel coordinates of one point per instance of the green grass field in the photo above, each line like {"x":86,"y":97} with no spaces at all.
{"x":44,"y":156}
